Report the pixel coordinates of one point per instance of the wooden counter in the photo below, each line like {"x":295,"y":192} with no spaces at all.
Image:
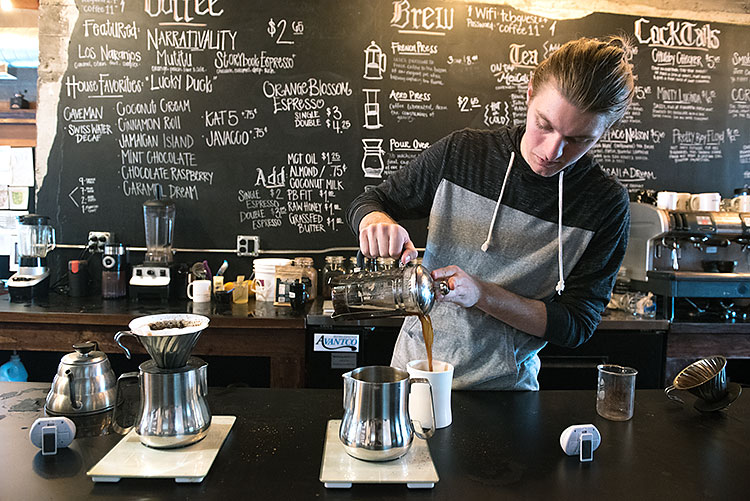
{"x":255,"y":329}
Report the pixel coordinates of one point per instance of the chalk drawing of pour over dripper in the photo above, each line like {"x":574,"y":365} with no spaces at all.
{"x":372,"y":161}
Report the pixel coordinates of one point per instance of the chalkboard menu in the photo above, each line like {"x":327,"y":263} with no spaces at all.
{"x":267,"y":118}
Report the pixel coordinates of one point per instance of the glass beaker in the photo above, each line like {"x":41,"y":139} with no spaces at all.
{"x":158,"y":218}
{"x":615,"y":392}
{"x":114,"y":272}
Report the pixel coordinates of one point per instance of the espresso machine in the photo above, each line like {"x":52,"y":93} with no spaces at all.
{"x":35,"y":239}
{"x":700,"y":258}
{"x":151,"y":279}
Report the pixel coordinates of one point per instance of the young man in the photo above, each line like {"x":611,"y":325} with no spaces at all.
{"x":524,"y":226}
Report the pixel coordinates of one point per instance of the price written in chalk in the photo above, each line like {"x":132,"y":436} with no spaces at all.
{"x":466,"y":103}
{"x":335,"y":120}
{"x":283,"y":31}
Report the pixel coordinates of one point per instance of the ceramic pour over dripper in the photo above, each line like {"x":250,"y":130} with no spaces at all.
{"x":169,"y":338}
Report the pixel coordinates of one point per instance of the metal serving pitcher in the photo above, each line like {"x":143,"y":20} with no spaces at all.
{"x":408,"y":290}
{"x":376,"y":425}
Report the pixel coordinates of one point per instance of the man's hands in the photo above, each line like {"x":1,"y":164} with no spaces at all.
{"x":464,"y":289}
{"x":381,"y":236}
{"x":527,"y":315}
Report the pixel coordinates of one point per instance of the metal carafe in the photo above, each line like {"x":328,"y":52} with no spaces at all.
{"x":376,"y":425}
{"x":173,"y":411}
{"x":408,"y":290}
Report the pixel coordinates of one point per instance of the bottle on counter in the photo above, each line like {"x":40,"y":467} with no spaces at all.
{"x":309,"y":276}
{"x":334,"y":266}
{"x":13,"y":370}
{"x":114,"y":271}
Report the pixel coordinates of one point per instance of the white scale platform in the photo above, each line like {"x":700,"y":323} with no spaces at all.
{"x":339,"y":470}
{"x":131,"y":459}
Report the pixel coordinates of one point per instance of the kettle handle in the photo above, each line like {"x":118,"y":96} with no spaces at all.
{"x":75,"y":401}
{"x":117,"y":339}
{"x":122,"y":430}
{"x":430,"y":431}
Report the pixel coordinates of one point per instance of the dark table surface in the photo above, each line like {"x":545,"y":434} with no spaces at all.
{"x":501,"y":445}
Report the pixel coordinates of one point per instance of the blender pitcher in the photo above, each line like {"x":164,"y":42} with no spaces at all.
{"x":35,"y":237}
{"x":158,"y":218}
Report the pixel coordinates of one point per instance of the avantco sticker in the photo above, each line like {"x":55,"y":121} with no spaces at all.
{"x":336,"y":342}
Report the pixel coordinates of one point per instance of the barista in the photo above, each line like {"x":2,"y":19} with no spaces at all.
{"x":524,"y":225}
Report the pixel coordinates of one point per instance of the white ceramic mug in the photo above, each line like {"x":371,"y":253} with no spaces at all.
{"x":682,"y":201}
{"x":666,"y":200}
{"x":740,"y":203}
{"x":199,"y":291}
{"x":705,"y":202}
{"x":441,"y":379}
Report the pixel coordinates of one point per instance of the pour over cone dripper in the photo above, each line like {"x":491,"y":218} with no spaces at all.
{"x":168,"y":338}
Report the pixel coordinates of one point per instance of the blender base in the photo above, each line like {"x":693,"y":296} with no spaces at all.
{"x":24,"y":288}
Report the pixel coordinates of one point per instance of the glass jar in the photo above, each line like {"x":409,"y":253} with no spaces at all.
{"x":334,"y":266}
{"x":351,"y":265}
{"x":309,"y":275}
{"x":385,"y":263}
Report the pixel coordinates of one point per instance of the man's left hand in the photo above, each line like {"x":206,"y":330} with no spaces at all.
{"x":464,"y":289}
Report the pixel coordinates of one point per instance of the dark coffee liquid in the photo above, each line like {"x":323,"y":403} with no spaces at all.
{"x":428,"y":335}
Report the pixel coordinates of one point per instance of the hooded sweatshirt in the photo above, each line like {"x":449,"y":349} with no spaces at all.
{"x":457,"y":184}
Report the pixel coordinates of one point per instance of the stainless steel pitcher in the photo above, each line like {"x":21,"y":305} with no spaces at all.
{"x":173,"y":411}
{"x":376,"y":425}
{"x":407,"y":290}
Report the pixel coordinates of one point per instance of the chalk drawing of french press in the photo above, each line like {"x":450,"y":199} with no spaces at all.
{"x":374,"y":62}
{"x":372,"y":109}
{"x":372,"y":161}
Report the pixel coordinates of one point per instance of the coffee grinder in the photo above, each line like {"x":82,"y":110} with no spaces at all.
{"x":35,"y":239}
{"x":151,"y":279}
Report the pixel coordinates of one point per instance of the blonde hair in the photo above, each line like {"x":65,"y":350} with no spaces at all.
{"x":594,"y":75}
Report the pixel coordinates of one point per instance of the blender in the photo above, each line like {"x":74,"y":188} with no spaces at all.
{"x":151,"y":279}
{"x":35,"y":239}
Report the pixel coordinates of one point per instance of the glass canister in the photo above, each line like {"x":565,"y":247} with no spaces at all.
{"x":309,"y":272}
{"x":114,"y":272}
{"x":334,"y":266}
{"x":351,"y":265}
{"x":408,"y":290}
{"x":385,"y":263}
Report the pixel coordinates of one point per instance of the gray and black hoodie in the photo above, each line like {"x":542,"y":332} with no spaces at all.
{"x":457,"y":183}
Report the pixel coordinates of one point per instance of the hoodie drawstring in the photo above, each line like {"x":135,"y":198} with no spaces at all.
{"x":561,"y":283}
{"x":560,"y":286}
{"x":486,"y":244}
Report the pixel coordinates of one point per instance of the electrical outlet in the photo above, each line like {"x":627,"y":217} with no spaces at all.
{"x":248,"y":245}
{"x":97,"y":240}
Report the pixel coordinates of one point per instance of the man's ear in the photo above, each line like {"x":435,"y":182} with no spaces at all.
{"x":528,"y":93}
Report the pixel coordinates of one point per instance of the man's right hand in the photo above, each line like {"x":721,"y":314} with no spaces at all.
{"x":381,"y":236}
